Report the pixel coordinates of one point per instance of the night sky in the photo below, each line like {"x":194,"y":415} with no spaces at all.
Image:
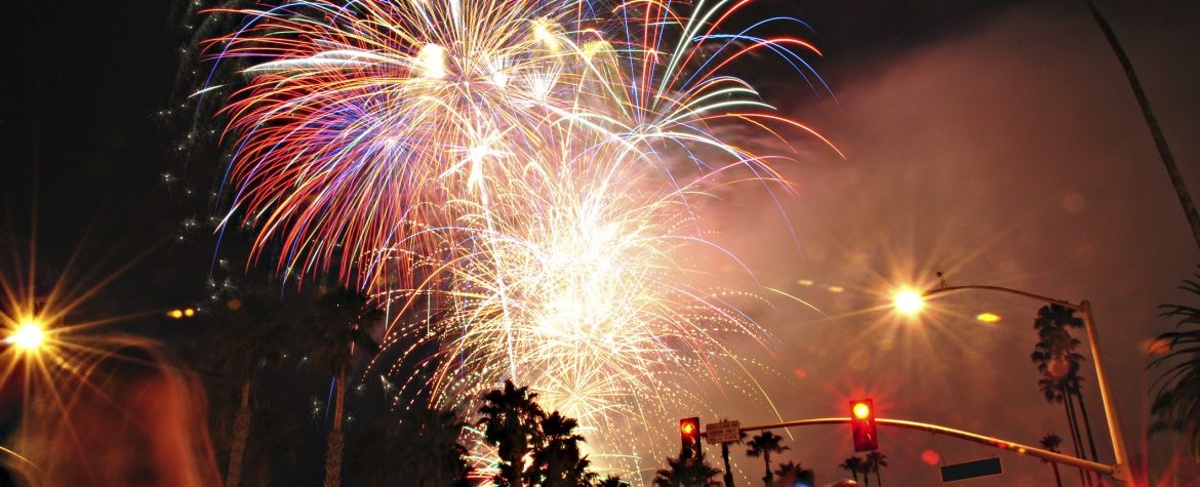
{"x":997,"y":142}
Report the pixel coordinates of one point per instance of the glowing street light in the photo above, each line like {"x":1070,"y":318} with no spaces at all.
{"x":908,"y":301}
{"x":28,"y":336}
{"x":911,"y":304}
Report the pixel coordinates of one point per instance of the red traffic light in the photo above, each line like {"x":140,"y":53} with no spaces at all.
{"x":862,"y":425}
{"x":689,"y":436}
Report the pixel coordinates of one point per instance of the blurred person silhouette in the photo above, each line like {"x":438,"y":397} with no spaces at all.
{"x":122,"y":414}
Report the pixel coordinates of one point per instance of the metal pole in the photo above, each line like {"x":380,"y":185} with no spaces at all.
{"x":1121,"y":469}
{"x":1014,"y":447}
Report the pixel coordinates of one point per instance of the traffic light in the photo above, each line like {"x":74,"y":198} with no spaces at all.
{"x":689,"y":436}
{"x":862,"y":424}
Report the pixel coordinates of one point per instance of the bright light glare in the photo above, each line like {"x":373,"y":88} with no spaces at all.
{"x":908,"y":301}
{"x":28,"y":337}
{"x":862,"y":410}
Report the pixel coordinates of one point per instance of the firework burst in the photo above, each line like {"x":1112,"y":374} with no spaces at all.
{"x":521,"y":183}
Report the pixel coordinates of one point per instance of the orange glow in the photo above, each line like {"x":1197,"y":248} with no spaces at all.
{"x":176,"y":313}
{"x":687,"y":428}
{"x":988,"y":317}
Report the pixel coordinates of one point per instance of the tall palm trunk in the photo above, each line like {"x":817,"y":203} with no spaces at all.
{"x":725,"y":457}
{"x":1160,"y":141}
{"x":1076,"y":441}
{"x":333,"y":455}
{"x":866,"y":477}
{"x":767,"y":460}
{"x":1087,"y":428}
{"x":241,"y":431}
{"x":878,"y":478}
{"x":1057,"y":477}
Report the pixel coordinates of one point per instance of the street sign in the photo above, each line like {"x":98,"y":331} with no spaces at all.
{"x":723,"y":432}
{"x":970,"y":470}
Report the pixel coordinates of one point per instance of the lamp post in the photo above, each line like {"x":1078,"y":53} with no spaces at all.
{"x":1121,"y":469}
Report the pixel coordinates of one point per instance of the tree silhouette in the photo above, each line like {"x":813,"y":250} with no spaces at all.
{"x":1050,"y":442}
{"x":417,"y":447}
{"x":511,"y":421}
{"x":852,"y":465}
{"x":612,"y":481}
{"x":1160,"y":140}
{"x":791,"y":473}
{"x":728,"y":476}
{"x":873,"y":463}
{"x":764,"y":445}
{"x":251,"y":333}
{"x":336,"y":332}
{"x":1176,"y":405}
{"x":1055,"y":357}
{"x":691,"y":472}
{"x":558,"y":462}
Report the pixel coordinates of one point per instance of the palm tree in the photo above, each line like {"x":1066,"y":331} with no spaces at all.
{"x":725,"y":457}
{"x":337,"y":331}
{"x":1050,"y":442}
{"x":417,"y":447}
{"x":852,"y":465}
{"x":558,"y":461}
{"x":252,"y":334}
{"x":690,"y":472}
{"x":875,"y":460}
{"x":1175,"y":405}
{"x":791,"y":473}
{"x":1059,"y":363}
{"x":764,"y":445}
{"x":612,"y":481}
{"x":511,"y":421}
{"x":1160,"y":141}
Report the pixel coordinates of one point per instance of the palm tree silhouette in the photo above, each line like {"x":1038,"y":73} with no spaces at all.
{"x":337,"y":332}
{"x":764,"y":445}
{"x":852,"y":465}
{"x":874,"y":461}
{"x":1050,"y":442}
{"x":725,"y":457}
{"x":558,"y":462}
{"x":791,"y":472}
{"x":1160,"y":140}
{"x":1059,"y":363}
{"x":252,"y":334}
{"x":690,"y":472}
{"x":1175,"y":405}
{"x":511,"y":421}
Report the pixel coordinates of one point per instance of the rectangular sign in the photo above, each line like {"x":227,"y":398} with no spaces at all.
{"x":723,"y":432}
{"x":970,"y":470}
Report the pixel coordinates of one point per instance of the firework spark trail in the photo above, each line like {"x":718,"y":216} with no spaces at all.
{"x":527,"y":175}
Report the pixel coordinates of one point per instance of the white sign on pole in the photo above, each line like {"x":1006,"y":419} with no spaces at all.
{"x":723,"y":432}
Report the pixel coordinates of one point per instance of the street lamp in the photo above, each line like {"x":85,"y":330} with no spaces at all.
{"x":27,"y":337}
{"x":905,"y":303}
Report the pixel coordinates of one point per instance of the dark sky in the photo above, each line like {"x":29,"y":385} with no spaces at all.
{"x":995,"y":141}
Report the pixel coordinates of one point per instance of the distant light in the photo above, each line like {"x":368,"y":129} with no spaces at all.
{"x":862,"y":410}
{"x":836,"y":289}
{"x":190,"y":312}
{"x":176,"y":313}
{"x":804,"y":282}
{"x":988,"y":317}
{"x":908,"y":301}
{"x":28,"y":337}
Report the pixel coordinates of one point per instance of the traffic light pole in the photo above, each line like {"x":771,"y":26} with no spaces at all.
{"x":1121,"y":468}
{"x":1109,"y":470}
